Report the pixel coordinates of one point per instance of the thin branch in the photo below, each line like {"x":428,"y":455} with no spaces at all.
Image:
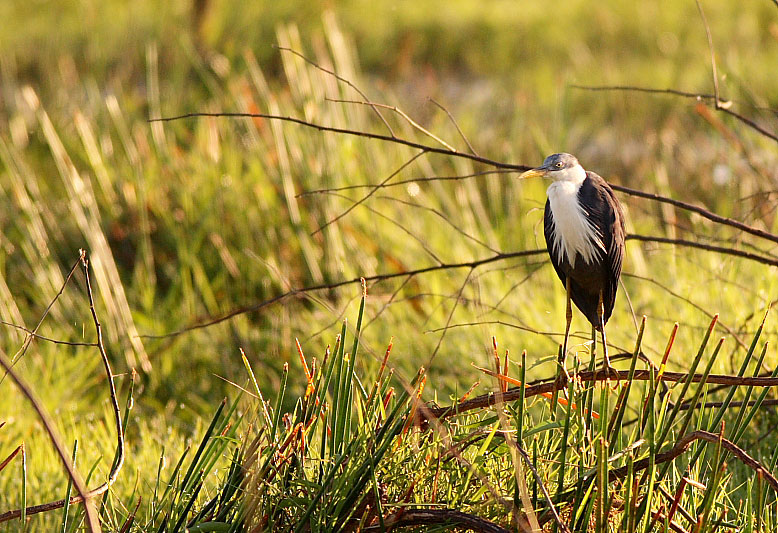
{"x":328,"y":286}
{"x":708,"y":247}
{"x":443,"y":217}
{"x":540,"y":483}
{"x":345,"y":131}
{"x":448,"y":320}
{"x":715,"y":405}
{"x":41,"y":337}
{"x":700,"y":211}
{"x":83,"y":494}
{"x":400,"y":112}
{"x":454,"y":122}
{"x":457,"y":177}
{"x":340,"y":79}
{"x":650,"y":90}
{"x":445,"y":266}
{"x":26,"y":344}
{"x":683,"y":444}
{"x":723,"y":106}
{"x":371,"y":193}
{"x":49,"y":425}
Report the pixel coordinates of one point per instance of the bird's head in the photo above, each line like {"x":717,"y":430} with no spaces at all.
{"x":558,"y":167}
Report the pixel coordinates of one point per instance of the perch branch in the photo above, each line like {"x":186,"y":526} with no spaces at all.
{"x":490,"y":399}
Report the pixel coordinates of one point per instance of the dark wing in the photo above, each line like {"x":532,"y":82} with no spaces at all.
{"x":606,"y":214}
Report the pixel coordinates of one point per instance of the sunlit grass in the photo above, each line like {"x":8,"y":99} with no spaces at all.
{"x":195,"y":218}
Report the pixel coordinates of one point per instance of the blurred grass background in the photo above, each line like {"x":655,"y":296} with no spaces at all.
{"x":194,"y":218}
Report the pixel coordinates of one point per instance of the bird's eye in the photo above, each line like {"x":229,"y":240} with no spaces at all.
{"x":558,"y":165}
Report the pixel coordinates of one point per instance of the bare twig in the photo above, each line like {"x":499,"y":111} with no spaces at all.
{"x":682,"y":445}
{"x":445,"y":266}
{"x":369,"y":194}
{"x":448,"y":320}
{"x":650,"y":90}
{"x":700,"y":211}
{"x":10,"y":458}
{"x":454,"y":122}
{"x":43,"y":338}
{"x":83,"y":494}
{"x":421,"y":179}
{"x":708,"y":405}
{"x":400,"y":112}
{"x":540,"y":483}
{"x":26,"y":344}
{"x":329,"y":286}
{"x":340,"y":79}
{"x":346,"y":131}
{"x":723,"y":105}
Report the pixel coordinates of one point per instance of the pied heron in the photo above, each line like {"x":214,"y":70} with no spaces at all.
{"x":584,"y":228}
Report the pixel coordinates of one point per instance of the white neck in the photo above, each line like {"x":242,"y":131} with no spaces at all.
{"x":573,"y":234}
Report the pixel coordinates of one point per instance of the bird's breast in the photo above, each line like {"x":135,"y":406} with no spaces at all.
{"x":573,"y":233}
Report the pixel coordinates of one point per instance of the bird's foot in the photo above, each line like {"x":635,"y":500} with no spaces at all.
{"x":612,"y":376}
{"x":562,"y":380}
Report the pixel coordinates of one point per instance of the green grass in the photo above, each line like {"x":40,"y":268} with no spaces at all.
{"x":194,"y":218}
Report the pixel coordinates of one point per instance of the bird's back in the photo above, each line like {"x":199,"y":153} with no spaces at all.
{"x":584,"y":231}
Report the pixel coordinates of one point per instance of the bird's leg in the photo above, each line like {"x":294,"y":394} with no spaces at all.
{"x":608,"y":368}
{"x":563,"y":375}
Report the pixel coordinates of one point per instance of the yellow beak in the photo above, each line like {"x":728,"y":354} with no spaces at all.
{"x":534,"y":173}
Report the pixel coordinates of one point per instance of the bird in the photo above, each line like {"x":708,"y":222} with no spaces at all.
{"x":583,"y":224}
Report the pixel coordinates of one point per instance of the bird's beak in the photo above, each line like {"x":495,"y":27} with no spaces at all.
{"x":538,"y":172}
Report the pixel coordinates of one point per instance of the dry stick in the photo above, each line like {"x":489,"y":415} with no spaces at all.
{"x":708,"y":247}
{"x":400,"y":112}
{"x":497,"y":164}
{"x":450,"y":316}
{"x":489,"y":399}
{"x":10,"y":458}
{"x":19,"y":354}
{"x":346,"y":131}
{"x":708,"y":405}
{"x":718,"y":104}
{"x":83,"y":495}
{"x":454,"y":122}
{"x":700,"y":211}
{"x":329,"y":286}
{"x":371,"y":193}
{"x":446,"y":266}
{"x":43,"y":338}
{"x":723,"y":106}
{"x":422,"y":179}
{"x":340,"y":79}
{"x":430,"y":517}
{"x":682,"y":445}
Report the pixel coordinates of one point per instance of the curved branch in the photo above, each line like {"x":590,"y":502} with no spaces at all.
{"x":429,"y":517}
{"x":683,"y":444}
